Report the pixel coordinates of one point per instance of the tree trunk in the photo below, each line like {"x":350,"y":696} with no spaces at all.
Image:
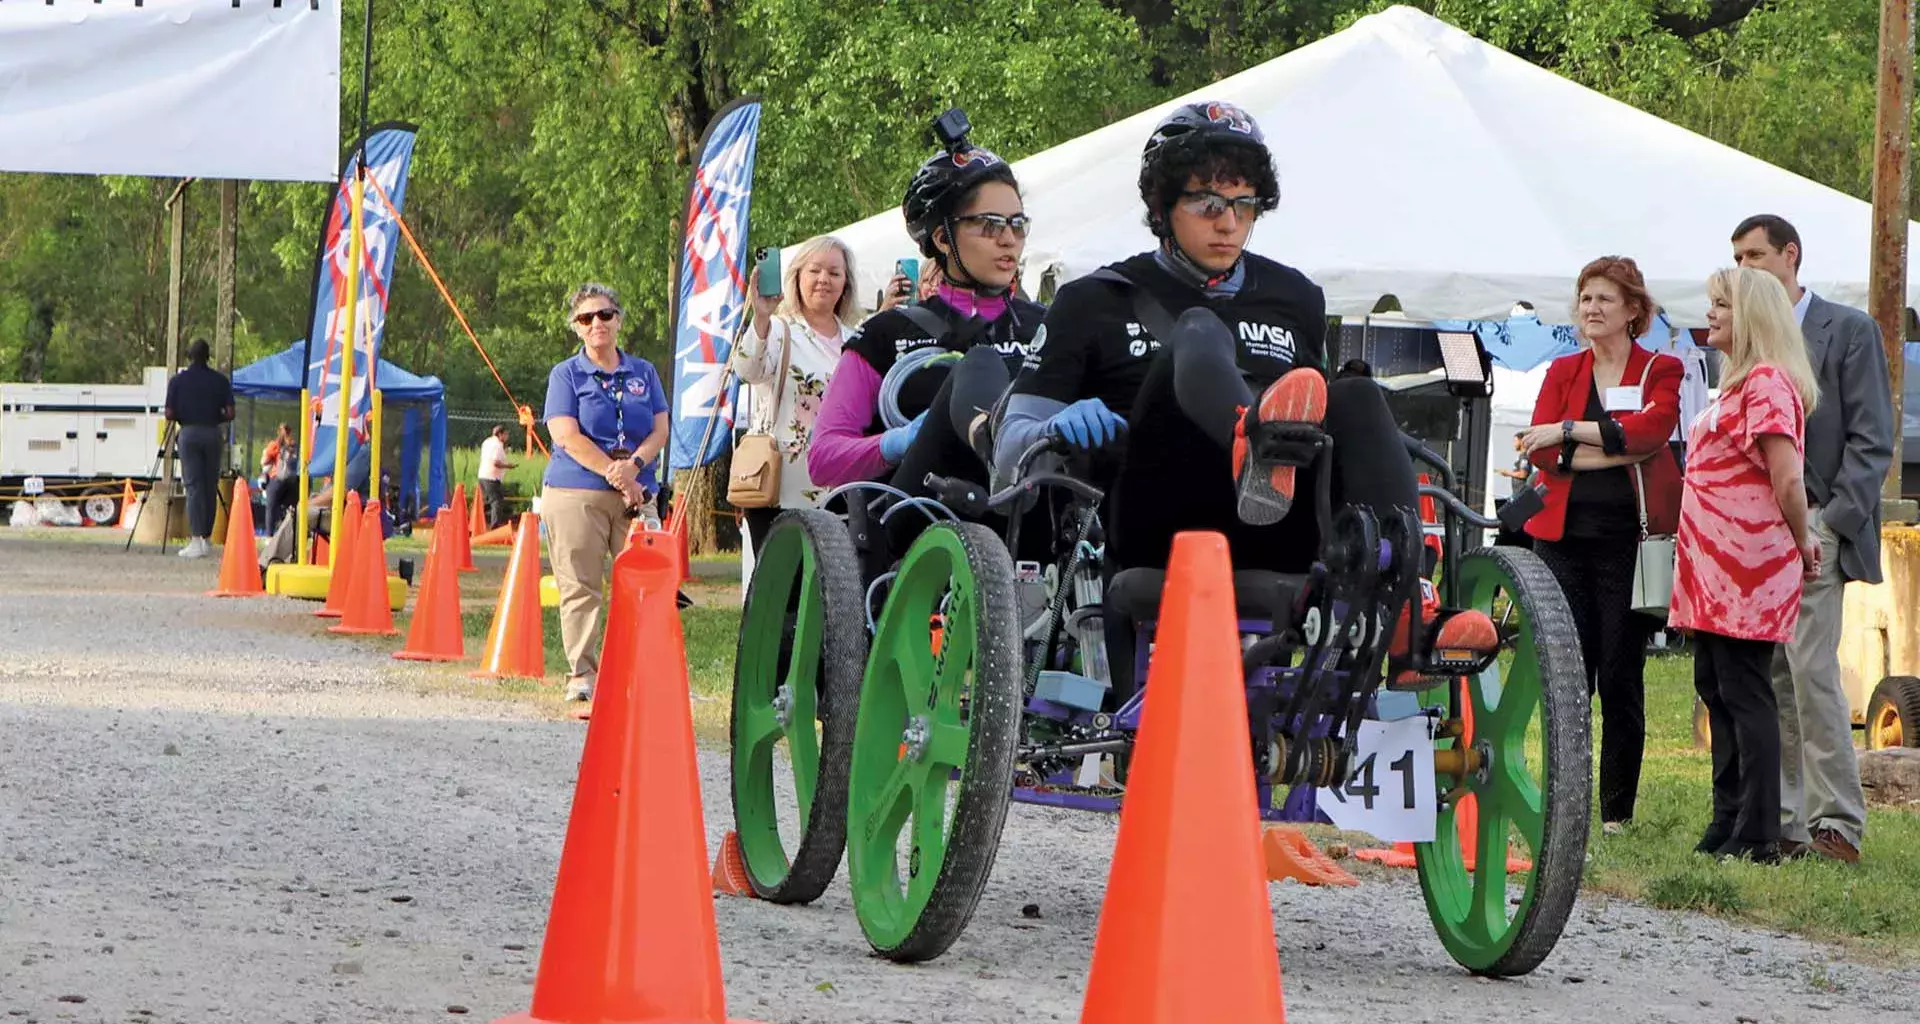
{"x":33,"y":355}
{"x":698,"y":498}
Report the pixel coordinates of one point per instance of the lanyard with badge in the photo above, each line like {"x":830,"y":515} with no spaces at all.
{"x":615,"y":384}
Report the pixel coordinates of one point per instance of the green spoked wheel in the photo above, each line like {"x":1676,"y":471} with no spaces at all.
{"x":933,"y":748}
{"x":796,"y":680}
{"x":1531,"y":790}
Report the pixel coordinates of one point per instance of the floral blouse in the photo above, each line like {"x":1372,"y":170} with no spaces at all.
{"x":795,"y":402}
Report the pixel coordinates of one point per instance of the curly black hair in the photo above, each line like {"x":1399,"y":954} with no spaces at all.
{"x":1210,"y":160}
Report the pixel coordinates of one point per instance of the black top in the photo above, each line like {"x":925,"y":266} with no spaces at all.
{"x":1092,"y":347}
{"x":199,"y":396}
{"x":1602,"y":503}
{"x":886,"y":336}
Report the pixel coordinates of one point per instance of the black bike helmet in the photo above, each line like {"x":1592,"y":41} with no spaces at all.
{"x":1189,"y":140}
{"x":946,"y":179}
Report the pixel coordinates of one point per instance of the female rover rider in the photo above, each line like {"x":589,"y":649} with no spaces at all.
{"x":963,"y":209}
{"x":1169,"y":348}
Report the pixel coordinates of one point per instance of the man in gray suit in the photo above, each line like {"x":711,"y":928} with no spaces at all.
{"x":1849,"y":449}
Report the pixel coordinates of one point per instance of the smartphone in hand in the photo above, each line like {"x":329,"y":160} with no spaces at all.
{"x":767,"y":280}
{"x":909,"y":269}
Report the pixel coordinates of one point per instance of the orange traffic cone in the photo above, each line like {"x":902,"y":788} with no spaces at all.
{"x":434,"y":634}
{"x":463,"y":556}
{"x":368,"y":608}
{"x":515,"y":642}
{"x":1186,"y":933}
{"x":478,"y":524}
{"x":127,"y":510}
{"x":499,"y":537}
{"x":1290,"y":854}
{"x":631,"y":937}
{"x":240,"y":563}
{"x":341,"y":575}
{"x":320,"y":553}
{"x":730,"y":869}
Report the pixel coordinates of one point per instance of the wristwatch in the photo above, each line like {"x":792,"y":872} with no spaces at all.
{"x":1566,"y":431}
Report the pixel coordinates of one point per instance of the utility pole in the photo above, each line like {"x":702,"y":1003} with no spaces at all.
{"x":176,"y":240}
{"x":226,"y":284}
{"x":1892,"y":179}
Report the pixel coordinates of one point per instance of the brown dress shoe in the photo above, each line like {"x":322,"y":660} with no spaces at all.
{"x":1834,"y":846}
{"x":1793,"y":849}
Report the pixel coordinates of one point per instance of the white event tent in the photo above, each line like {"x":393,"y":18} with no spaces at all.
{"x":1419,"y":161}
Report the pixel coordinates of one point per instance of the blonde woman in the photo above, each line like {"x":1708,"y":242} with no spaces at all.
{"x":803,"y":327}
{"x":1745,"y":549}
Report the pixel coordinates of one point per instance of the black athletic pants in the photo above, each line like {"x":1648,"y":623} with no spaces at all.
{"x":1734,"y":678}
{"x":1178,"y":471}
{"x":1597,"y":577}
{"x":759,"y":522}
{"x":972,"y":387}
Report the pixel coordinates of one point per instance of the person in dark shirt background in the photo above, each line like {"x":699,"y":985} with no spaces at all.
{"x":200,"y":400}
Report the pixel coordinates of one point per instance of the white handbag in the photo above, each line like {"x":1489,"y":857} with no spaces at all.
{"x":1653,"y":563}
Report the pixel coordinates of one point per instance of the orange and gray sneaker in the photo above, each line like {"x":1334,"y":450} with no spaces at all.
{"x":1457,"y":641}
{"x":1266,"y":485}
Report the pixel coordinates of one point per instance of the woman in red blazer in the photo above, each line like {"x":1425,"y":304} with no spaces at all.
{"x":1601,"y":427}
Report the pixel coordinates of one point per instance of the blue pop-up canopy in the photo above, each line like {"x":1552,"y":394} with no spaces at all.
{"x":417,"y":405}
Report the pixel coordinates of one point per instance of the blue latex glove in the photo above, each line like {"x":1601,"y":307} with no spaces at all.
{"x":1087,"y":423}
{"x":893,"y":443}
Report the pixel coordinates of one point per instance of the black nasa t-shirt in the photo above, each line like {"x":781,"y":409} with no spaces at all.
{"x":886,"y":336}
{"x":1091,"y":345}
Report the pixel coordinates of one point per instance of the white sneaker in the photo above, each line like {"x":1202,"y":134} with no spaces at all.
{"x":196,"y":548}
{"x":580,"y":688}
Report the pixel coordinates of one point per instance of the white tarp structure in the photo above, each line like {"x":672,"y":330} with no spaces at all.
{"x":171,"y":88}
{"x":1419,"y":161}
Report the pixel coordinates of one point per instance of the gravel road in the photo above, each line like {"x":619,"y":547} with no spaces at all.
{"x":216,"y":812}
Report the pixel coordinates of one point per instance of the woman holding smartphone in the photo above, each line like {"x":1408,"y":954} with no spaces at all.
{"x":787,"y":356}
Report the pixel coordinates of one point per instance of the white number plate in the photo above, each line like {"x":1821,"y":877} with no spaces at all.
{"x":33,"y":487}
{"x":1391,"y":794}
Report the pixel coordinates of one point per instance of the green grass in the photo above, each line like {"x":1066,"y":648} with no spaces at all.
{"x":523,"y":480}
{"x":1871,"y":906}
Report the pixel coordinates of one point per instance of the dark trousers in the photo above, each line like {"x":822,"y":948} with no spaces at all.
{"x":759,"y":523}
{"x":1734,"y":678}
{"x":1178,"y":471}
{"x":1597,"y":577}
{"x":494,"y":493}
{"x":972,"y":387}
{"x":282,"y":493}
{"x":200,"y":450}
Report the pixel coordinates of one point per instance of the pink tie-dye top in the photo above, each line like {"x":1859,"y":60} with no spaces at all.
{"x":1739,"y":572}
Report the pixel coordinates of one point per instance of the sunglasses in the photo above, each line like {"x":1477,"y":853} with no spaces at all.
{"x":583,"y":319}
{"x":1213,"y":205}
{"x":992,"y":225}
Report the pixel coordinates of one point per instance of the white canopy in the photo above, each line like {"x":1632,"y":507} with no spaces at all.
{"x":1417,"y":160}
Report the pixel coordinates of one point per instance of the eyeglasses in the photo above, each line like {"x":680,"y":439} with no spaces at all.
{"x":583,"y":319}
{"x":1212,"y":205}
{"x":993,"y":225}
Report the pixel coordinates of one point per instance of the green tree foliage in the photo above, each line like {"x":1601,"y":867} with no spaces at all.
{"x":554,"y":141}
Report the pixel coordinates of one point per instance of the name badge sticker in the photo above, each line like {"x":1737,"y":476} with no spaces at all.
{"x":1622,"y":399}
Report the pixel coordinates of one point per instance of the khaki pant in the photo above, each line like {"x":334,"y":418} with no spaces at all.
{"x":585,"y":529}
{"x":1819,"y":773}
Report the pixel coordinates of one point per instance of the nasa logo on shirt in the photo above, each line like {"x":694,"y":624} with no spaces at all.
{"x":1267,"y":340}
{"x":637,"y":387}
{"x":902,"y":346}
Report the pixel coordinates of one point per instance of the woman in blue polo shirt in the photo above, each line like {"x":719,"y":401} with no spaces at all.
{"x":607,"y":413}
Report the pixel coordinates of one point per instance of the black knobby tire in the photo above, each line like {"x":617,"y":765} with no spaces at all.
{"x":836,"y":568}
{"x":1896,"y":702}
{"x":984,"y":783}
{"x":1548,"y":636}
